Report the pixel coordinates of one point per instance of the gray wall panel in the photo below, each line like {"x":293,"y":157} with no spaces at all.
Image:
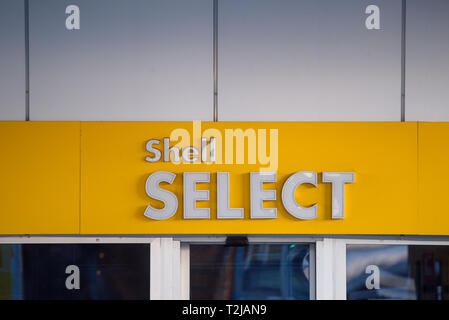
{"x":12,"y":60}
{"x":130,"y":60}
{"x":427,"y":60}
{"x":309,"y":60}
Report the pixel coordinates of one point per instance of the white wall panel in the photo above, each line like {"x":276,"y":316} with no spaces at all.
{"x":12,"y":60}
{"x":136,"y":60}
{"x":308,"y":60}
{"x":427,"y":61}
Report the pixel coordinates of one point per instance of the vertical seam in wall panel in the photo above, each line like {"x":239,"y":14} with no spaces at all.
{"x":27,"y":61}
{"x":215,"y":57}
{"x":403,"y":50}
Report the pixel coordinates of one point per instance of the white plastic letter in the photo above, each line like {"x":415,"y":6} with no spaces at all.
{"x":168,"y":198}
{"x":204,"y":149}
{"x":190,"y":154}
{"x":373,"y":20}
{"x":191,"y":195}
{"x":258,"y":195}
{"x":156,"y":152}
{"x":223,"y":210}
{"x":338,"y":180}
{"x":288,"y":195}
{"x":73,"y":280}
{"x":373,"y":280}
{"x":167,"y":151}
{"x":72,"y":22}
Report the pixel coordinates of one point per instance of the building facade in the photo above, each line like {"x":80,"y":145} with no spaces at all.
{"x":224,"y":149}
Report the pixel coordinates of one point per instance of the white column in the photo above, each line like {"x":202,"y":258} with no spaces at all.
{"x":330,"y":269}
{"x":155,"y":270}
{"x":339,"y":269}
{"x":165,"y":279}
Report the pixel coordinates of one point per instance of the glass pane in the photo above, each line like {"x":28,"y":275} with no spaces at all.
{"x":257,"y":271}
{"x":406,"y":272}
{"x":74,"y":271}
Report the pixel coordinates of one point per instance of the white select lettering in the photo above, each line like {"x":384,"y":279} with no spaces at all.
{"x":167,"y":197}
{"x":338,"y":180}
{"x":223,"y":209}
{"x":257,"y":195}
{"x":192,"y":195}
{"x":288,"y":195}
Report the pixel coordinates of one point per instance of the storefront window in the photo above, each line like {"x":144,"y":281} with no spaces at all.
{"x":406,"y":272}
{"x":74,"y":271}
{"x":256,"y":271}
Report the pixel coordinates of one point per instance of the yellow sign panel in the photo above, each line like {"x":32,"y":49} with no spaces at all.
{"x":433,"y":186}
{"x":383,"y":199}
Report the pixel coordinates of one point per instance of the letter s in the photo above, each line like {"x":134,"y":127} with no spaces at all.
{"x":168,"y":198}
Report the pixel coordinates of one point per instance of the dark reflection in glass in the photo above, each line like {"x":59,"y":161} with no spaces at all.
{"x":106,"y":271}
{"x":258,"y":271}
{"x":400,"y":272}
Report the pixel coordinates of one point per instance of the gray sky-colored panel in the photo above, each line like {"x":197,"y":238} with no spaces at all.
{"x":308,"y":60}
{"x":138,"y":60}
{"x":427,"y":61}
{"x":12,"y":60}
